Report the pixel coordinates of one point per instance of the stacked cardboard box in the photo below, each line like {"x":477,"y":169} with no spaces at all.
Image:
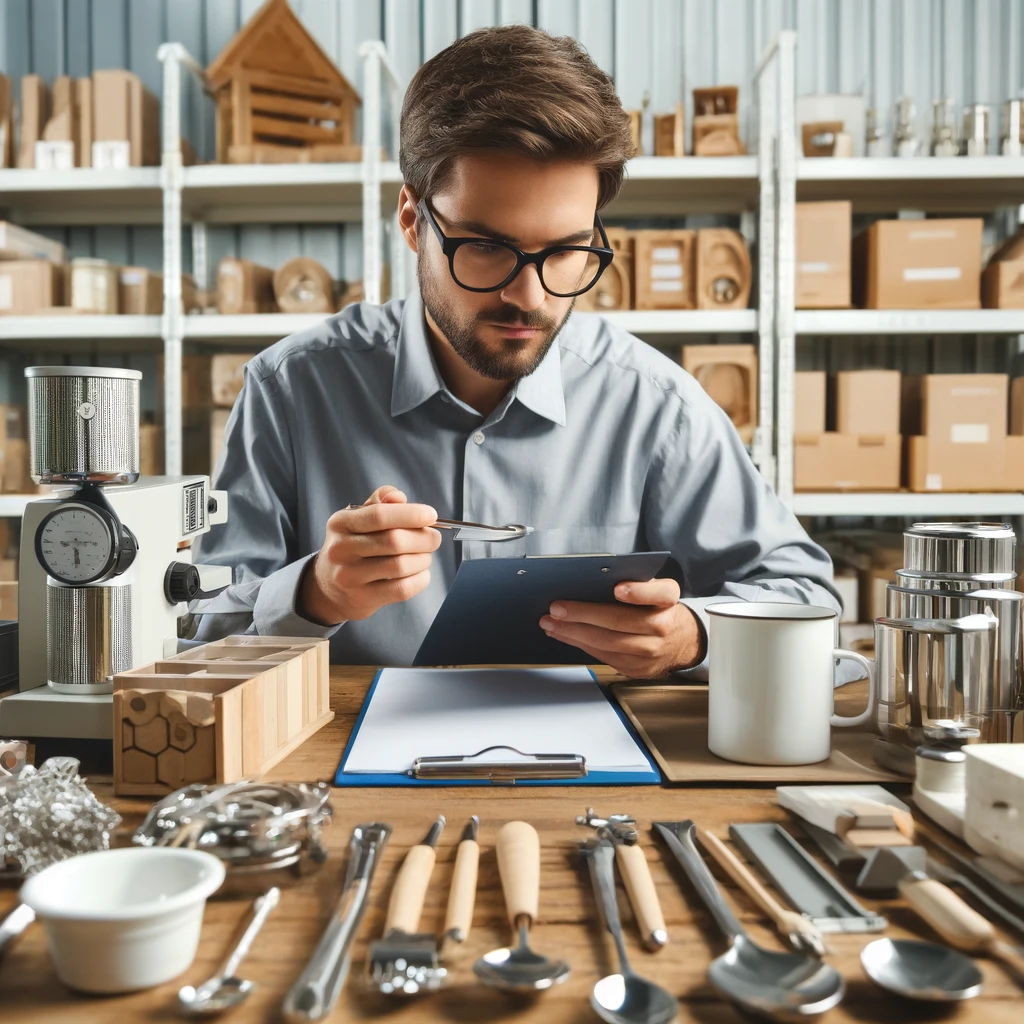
{"x":861,"y":449}
{"x":1002,"y":284}
{"x":728,"y":373}
{"x":823,"y":255}
{"x":14,"y":460}
{"x":957,"y":440}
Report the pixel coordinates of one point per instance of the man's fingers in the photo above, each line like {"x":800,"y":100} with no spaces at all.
{"x":388,"y":515}
{"x":595,"y":638}
{"x":660,"y":593}
{"x":616,"y":617}
{"x":393,"y":567}
{"x":385,"y":543}
{"x":395,"y":591}
{"x":387,"y":493}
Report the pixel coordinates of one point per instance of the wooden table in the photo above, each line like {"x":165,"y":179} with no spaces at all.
{"x":30,"y":991}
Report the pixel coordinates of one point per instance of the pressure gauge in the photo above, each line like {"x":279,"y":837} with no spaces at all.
{"x":80,"y":543}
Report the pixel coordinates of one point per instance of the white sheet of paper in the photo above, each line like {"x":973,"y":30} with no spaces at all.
{"x":430,"y":712}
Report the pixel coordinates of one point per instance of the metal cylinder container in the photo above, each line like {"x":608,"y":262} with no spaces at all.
{"x":956,"y":580}
{"x":977,"y":121}
{"x":1013,"y":127}
{"x":938,"y":673}
{"x":959,"y":548}
{"x":88,"y":636}
{"x":83,"y":424}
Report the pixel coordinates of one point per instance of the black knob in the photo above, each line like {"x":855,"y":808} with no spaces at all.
{"x":181,"y":582}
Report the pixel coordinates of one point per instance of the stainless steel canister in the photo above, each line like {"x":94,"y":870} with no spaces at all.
{"x":83,"y":424}
{"x":936,"y":673}
{"x":1006,"y":696}
{"x":955,"y":580}
{"x":88,"y":636}
{"x":959,"y":548}
{"x":977,"y":121}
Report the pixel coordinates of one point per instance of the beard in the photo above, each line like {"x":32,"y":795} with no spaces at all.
{"x":515,"y":358}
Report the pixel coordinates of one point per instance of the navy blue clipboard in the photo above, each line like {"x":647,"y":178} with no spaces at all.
{"x":492,"y":612}
{"x":392,"y":779}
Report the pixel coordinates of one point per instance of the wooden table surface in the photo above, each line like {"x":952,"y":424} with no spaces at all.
{"x":568,"y":925}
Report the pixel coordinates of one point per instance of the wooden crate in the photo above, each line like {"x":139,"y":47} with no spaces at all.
{"x":224,"y":711}
{"x":664,"y":269}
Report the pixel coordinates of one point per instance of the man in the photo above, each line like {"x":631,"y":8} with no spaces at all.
{"x":482,"y":398}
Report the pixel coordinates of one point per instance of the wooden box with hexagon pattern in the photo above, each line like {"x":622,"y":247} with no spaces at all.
{"x":220,"y":712}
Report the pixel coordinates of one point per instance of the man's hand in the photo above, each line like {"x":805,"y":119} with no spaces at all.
{"x":372,"y":556}
{"x":647,"y":636}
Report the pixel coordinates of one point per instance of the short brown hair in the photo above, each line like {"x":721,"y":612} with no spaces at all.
{"x":513,"y":88}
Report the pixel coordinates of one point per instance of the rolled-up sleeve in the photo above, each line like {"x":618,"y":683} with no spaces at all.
{"x":257,"y":467}
{"x":707,"y":503}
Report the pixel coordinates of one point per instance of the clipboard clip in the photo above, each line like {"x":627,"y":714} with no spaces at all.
{"x":500,"y":772}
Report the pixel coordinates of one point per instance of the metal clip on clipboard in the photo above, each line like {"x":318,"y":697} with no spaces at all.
{"x":538,"y":766}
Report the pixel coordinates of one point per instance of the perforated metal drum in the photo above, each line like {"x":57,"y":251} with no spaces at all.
{"x":83,"y":424}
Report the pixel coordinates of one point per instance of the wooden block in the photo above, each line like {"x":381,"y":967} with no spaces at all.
{"x":153,"y":737}
{"x":614,"y":289}
{"x":138,"y":768}
{"x":252,"y":727}
{"x":871,"y":838}
{"x":669,"y":133}
{"x":723,"y":269}
{"x":181,"y":732}
{"x":140,"y":707}
{"x":664,"y":262}
{"x":818,"y":137}
{"x":728,"y":373}
{"x":302,"y":285}
{"x":717,"y":135}
{"x":170,"y":769}
{"x":200,"y":761}
{"x":6,"y":122}
{"x":268,"y":711}
{"x":228,"y":735}
{"x":83,"y":121}
{"x":35,"y":112}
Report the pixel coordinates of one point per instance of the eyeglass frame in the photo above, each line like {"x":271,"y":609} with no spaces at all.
{"x":451,"y":245}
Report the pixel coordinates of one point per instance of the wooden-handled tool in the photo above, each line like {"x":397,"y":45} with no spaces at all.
{"x":958,"y":923}
{"x":801,"y":932}
{"x":518,"y":849}
{"x":410,"y":888}
{"x":462,"y":895}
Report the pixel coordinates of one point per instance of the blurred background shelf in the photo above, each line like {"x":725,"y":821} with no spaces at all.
{"x":906,"y":504}
{"x":909,"y":321}
{"x":82,"y":195}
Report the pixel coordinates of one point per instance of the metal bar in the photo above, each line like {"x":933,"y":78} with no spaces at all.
{"x":373,"y":56}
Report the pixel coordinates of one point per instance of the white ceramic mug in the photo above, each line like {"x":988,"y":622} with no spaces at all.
{"x":771,"y":677}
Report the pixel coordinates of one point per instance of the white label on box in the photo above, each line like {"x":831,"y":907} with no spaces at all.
{"x":931,"y":274}
{"x":667,"y":286}
{"x":133,"y":276}
{"x":814,"y":268}
{"x":111,"y":155}
{"x":667,"y":270}
{"x":969,"y":433}
{"x":6,"y":291}
{"x":933,"y":482}
{"x":55,"y":156}
{"x":933,"y":233}
{"x":666,"y":252}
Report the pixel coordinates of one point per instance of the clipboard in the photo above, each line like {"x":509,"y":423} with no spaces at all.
{"x":492,"y":612}
{"x":469,"y":768}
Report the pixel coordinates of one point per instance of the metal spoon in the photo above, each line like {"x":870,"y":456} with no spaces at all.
{"x":520,"y":969}
{"x":224,"y":990}
{"x":921,"y":970}
{"x":779,"y":986}
{"x":623,"y":998}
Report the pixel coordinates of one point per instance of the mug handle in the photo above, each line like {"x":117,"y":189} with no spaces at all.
{"x":869,"y":666}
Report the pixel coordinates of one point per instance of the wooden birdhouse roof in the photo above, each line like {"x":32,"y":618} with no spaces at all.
{"x":274,"y":40}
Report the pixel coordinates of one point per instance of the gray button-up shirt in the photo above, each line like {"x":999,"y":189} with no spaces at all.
{"x":608,"y":446}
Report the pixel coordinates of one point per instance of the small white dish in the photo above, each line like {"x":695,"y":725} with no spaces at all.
{"x":120,"y":920}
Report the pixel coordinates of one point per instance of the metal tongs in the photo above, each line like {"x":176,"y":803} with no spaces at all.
{"x":474,"y":531}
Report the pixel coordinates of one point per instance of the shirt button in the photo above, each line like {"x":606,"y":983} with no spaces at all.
{"x":445,"y":398}
{"x":478,"y":437}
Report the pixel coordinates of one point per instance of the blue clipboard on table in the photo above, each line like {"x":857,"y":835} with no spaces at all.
{"x":462,"y":727}
{"x":492,"y":612}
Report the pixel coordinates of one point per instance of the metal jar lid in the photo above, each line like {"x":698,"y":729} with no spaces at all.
{"x":963,"y":548}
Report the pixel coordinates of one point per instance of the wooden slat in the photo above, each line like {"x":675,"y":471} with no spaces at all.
{"x":298,"y":86}
{"x":275,"y":103}
{"x":251,"y":726}
{"x":241,"y":111}
{"x":274,"y":127}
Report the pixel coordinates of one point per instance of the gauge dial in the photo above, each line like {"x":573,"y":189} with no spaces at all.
{"x":76,"y":544}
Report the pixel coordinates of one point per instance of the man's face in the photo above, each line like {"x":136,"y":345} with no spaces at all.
{"x":504,"y":335}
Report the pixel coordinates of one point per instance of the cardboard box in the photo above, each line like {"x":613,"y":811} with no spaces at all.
{"x":935,"y":464}
{"x":6,"y":122}
{"x":18,"y":243}
{"x":227,"y":377}
{"x":35,"y":111}
{"x":1002,"y":285}
{"x":195,"y":383}
{"x":1015,"y":463}
{"x":867,"y":401}
{"x":151,"y":449}
{"x":669,"y":132}
{"x":809,"y":389}
{"x":875,"y":578}
{"x":846,"y":462}
{"x":125,"y":111}
{"x":1017,"y":406}
{"x":14,"y":467}
{"x":919,"y":264}
{"x":244,"y":287}
{"x":83,"y":120}
{"x":9,"y":602}
{"x":728,"y":373}
{"x":28,"y":286}
{"x":823,"y":232}
{"x":140,"y":291}
{"x":959,"y":408}
{"x":94,"y":286}
{"x":665,"y":269}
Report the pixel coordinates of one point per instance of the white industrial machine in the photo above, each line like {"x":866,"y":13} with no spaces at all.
{"x":105,"y":570}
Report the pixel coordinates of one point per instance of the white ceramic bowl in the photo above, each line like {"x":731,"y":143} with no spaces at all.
{"x":119,"y":920}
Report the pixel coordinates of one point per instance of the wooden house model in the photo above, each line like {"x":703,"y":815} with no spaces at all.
{"x":280,"y":98}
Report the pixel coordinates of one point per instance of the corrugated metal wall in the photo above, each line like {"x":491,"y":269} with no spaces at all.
{"x":972,"y":50}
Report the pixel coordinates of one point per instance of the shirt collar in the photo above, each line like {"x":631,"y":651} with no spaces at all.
{"x":417,"y":377}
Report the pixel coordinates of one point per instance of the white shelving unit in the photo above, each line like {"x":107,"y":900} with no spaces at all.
{"x":905,"y":504}
{"x":909,"y":321}
{"x":83,"y":195}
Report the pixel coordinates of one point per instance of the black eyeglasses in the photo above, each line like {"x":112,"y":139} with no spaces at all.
{"x":487,"y":265}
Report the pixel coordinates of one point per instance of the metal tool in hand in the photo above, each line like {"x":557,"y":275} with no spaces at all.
{"x":623,"y":998}
{"x":315,"y":993}
{"x":779,"y":986}
{"x":520,"y":969}
{"x":473,"y":531}
{"x":462,"y":894}
{"x":405,"y":961}
{"x":621,"y":831}
{"x":225,"y":990}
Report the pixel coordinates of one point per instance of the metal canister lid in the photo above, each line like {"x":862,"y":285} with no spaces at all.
{"x":113,"y":372}
{"x":959,"y":548}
